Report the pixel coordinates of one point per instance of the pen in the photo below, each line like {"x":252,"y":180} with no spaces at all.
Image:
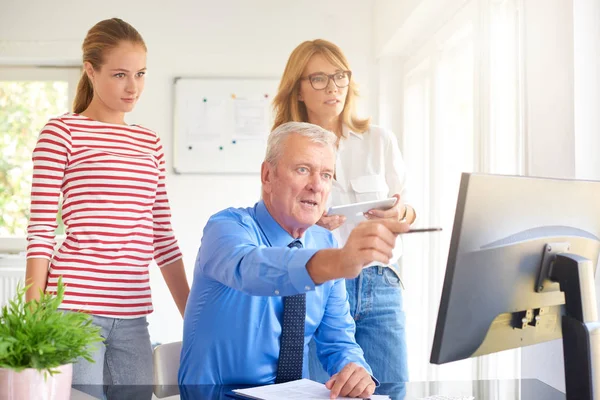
{"x":417,"y":230}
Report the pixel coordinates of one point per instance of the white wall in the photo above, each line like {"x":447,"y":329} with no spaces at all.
{"x":193,"y":38}
{"x":548,"y":52}
{"x":389,"y":15}
{"x":401,"y":27}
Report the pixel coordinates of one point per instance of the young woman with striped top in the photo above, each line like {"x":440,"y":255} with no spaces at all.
{"x":115,"y":210}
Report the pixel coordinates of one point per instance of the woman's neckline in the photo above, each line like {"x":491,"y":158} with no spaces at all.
{"x":101,"y":122}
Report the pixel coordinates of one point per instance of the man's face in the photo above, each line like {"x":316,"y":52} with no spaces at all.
{"x":295,"y":190}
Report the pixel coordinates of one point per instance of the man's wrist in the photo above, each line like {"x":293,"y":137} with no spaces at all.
{"x":323,"y":265}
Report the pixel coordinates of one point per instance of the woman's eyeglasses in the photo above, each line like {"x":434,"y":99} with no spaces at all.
{"x":320,"y":80}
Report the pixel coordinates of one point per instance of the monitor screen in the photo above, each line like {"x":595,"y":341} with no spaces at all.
{"x":493,"y":298}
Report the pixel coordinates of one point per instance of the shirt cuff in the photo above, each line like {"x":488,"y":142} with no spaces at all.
{"x":368,"y":369}
{"x":299,"y":276}
{"x":377,"y":383}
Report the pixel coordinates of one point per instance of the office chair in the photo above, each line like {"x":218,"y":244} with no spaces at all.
{"x":166,"y":366}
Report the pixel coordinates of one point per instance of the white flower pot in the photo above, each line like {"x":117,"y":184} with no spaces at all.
{"x":30,"y":384}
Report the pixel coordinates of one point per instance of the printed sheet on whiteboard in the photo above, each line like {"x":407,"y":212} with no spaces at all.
{"x":251,"y":118}
{"x":221,"y":125}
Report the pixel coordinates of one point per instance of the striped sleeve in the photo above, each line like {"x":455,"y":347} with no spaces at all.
{"x":50,"y":157}
{"x":166,"y":249}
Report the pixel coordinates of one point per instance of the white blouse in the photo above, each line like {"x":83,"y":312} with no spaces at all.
{"x":369,"y":166}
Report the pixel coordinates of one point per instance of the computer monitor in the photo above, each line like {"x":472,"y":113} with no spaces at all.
{"x":512,"y":241}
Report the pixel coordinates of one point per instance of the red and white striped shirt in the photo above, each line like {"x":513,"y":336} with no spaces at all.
{"x":115,"y":210}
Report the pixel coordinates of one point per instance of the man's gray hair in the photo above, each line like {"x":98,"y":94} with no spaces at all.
{"x":314,"y":132}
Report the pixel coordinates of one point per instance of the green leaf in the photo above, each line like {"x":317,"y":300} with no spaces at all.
{"x":36,"y":334}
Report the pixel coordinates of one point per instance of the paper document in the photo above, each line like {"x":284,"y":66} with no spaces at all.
{"x":251,"y":119}
{"x":303,"y":389}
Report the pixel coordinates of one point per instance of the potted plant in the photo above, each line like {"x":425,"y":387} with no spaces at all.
{"x":39,"y":343}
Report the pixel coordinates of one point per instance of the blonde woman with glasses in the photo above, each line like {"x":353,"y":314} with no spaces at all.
{"x":317,"y":87}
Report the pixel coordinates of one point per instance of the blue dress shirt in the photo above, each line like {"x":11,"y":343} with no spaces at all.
{"x":232,"y":323}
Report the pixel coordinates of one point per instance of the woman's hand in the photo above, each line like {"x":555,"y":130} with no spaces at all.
{"x":397,"y":212}
{"x":331,"y":222}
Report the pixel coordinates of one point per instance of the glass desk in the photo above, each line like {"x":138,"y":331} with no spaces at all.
{"x":526,"y":389}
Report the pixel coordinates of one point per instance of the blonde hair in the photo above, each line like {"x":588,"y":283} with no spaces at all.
{"x":286,"y":105}
{"x":102,"y":37}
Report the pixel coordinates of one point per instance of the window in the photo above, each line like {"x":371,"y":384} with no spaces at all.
{"x":461,"y":114}
{"x":29,"y":96}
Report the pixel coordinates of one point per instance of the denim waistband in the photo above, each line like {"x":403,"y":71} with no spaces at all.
{"x":394,"y":268}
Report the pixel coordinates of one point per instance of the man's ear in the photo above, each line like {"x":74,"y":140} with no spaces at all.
{"x":266,"y":176}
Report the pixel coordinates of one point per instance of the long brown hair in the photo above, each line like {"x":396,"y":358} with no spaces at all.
{"x":286,"y":105}
{"x":102,"y":37}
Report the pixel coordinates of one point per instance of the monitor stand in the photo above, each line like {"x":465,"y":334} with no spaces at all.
{"x":580,"y":326}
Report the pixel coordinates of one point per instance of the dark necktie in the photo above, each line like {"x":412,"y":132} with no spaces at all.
{"x":291,"y":350}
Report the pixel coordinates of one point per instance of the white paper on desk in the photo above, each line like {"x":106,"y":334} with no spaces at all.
{"x":303,"y":389}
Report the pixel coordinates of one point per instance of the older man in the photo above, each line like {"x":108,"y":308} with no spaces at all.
{"x":267,"y":280}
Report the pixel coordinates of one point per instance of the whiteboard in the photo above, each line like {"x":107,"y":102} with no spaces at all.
{"x":221,"y":125}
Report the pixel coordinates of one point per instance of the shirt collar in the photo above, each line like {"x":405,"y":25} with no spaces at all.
{"x":277,"y":236}
{"x":347,"y":132}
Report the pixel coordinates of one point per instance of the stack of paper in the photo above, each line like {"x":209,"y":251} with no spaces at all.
{"x":302,"y":389}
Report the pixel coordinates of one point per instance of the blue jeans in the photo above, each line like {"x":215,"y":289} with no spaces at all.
{"x":375,"y":298}
{"x":124,"y":358}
